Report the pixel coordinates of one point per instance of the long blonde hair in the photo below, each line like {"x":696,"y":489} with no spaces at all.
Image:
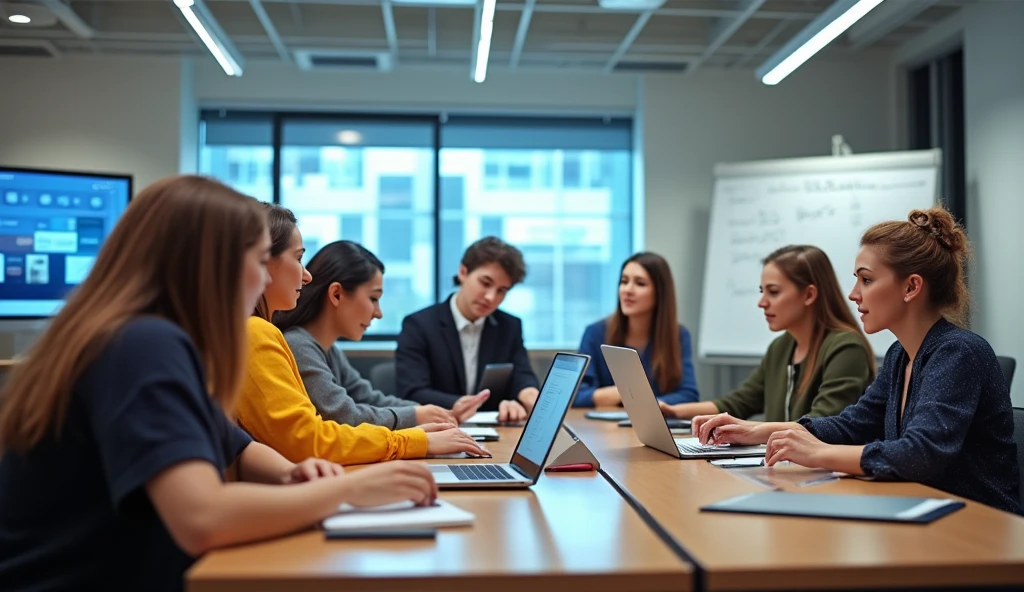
{"x":177,"y":253}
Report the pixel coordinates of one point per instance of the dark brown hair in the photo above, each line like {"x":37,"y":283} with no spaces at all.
{"x":805,"y":266}
{"x":177,"y":253}
{"x":281,"y":222}
{"x":663,"y":341}
{"x":343,"y":262}
{"x":492,"y":249}
{"x":931,"y":244}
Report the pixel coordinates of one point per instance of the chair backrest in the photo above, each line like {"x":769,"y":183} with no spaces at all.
{"x":1007,"y":365}
{"x":1018,"y":435}
{"x":382,"y":377}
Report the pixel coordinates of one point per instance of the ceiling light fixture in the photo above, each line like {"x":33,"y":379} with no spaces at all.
{"x":203,"y":23}
{"x":813,"y":38}
{"x":19,"y":19}
{"x":483,"y":46}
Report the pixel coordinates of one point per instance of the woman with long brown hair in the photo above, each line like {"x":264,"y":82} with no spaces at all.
{"x":274,"y":406}
{"x":939,"y":412}
{"x":819,"y":365}
{"x":115,"y":428}
{"x":645,"y":320}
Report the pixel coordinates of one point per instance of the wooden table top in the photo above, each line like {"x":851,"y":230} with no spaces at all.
{"x":977,"y":545}
{"x":568,"y":529}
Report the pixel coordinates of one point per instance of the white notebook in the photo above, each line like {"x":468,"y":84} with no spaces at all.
{"x":484,"y":418}
{"x":478,"y":432}
{"x":400,"y":515}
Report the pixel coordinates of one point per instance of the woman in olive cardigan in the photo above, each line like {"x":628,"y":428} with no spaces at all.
{"x":819,"y":366}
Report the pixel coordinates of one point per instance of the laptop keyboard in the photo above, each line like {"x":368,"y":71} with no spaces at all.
{"x":480,"y":473}
{"x":687,"y":448}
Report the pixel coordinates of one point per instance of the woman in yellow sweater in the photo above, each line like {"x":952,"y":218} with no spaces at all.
{"x":274,"y":406}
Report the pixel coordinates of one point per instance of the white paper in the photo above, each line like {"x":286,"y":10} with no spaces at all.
{"x":475,"y":432}
{"x":400,"y":515}
{"x":925,"y":507}
{"x":484,"y":418}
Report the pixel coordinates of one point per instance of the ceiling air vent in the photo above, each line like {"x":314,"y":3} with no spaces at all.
{"x":339,"y":59}
{"x":663,"y":67}
{"x":27,"y":48}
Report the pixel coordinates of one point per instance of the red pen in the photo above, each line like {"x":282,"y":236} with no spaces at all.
{"x":572,"y":467}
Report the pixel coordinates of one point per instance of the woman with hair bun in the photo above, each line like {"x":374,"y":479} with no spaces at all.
{"x":939,"y":412}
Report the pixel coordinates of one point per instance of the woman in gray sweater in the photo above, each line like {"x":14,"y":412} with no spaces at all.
{"x":341,"y":302}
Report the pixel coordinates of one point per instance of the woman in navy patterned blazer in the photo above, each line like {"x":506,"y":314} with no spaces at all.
{"x":939,"y":412}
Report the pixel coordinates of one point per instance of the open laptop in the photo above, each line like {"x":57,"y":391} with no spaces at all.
{"x":556,"y":394}
{"x":642,"y":406}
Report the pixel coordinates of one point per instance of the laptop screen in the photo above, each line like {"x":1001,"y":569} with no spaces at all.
{"x":555,"y":396}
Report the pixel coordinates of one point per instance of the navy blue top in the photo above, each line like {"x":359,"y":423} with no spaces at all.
{"x":956,"y":433}
{"x":74,"y":514}
{"x":598,"y":376}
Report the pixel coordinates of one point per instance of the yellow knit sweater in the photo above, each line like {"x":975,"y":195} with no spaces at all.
{"x":275,"y":409}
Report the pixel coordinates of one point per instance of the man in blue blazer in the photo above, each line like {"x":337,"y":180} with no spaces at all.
{"x":443,"y":349}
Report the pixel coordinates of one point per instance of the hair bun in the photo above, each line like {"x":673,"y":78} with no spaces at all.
{"x":940,"y":224}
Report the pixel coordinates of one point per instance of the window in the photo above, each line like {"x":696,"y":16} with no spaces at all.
{"x":559,"y":189}
{"x":239,"y":151}
{"x":936,"y":120}
{"x":574,"y":229}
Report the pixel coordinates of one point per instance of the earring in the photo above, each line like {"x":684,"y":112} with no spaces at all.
{"x":906,"y":299}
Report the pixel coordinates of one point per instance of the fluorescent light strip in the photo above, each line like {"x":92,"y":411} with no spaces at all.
{"x":483,"y":47}
{"x":230,"y":67}
{"x":822,"y":38}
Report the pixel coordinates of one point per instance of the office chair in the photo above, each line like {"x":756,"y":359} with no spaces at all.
{"x":382,"y":377}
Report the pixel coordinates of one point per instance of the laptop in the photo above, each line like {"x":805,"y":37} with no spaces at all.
{"x":531,"y":453}
{"x":642,"y":406}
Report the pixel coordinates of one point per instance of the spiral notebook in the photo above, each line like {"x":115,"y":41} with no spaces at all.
{"x":400,"y":515}
{"x":884,"y":508}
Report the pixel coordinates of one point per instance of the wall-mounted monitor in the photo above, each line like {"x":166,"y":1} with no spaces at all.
{"x":52,"y":225}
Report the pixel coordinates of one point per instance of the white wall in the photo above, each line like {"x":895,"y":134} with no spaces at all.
{"x":283,"y":86}
{"x":106,"y":115}
{"x":994,"y":121}
{"x":692,"y":123}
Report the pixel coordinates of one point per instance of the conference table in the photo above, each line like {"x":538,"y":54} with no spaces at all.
{"x":974,"y":547}
{"x":636,"y":524}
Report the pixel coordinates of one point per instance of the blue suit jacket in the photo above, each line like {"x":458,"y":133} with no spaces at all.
{"x":429,"y":365}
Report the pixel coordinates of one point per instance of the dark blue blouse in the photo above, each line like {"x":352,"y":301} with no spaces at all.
{"x":956,"y":433}
{"x":598,"y":374}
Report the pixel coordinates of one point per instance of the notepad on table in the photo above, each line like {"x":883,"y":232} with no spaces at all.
{"x":481,"y":433}
{"x":607,"y":415}
{"x":400,"y":515}
{"x":483,"y":418}
{"x":919,"y":510}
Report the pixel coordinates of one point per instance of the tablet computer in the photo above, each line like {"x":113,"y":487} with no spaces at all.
{"x":496,"y":377}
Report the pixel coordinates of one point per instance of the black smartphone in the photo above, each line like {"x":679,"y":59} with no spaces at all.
{"x":404,"y":533}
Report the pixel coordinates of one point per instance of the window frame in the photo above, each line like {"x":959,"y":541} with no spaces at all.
{"x":278,"y":120}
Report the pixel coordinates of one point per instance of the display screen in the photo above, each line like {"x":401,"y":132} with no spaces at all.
{"x":52,"y":225}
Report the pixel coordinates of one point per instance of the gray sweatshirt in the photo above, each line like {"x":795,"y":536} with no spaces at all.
{"x":337,"y":390}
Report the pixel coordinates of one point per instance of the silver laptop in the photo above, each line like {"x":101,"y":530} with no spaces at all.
{"x":642,"y":406}
{"x":556,"y":394}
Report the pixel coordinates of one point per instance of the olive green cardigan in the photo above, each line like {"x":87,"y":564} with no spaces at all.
{"x":841,"y":374}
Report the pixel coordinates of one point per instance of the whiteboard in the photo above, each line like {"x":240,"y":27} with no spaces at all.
{"x":827,"y":202}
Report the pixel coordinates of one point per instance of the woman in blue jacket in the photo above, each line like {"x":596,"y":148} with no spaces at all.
{"x":939,"y":411}
{"x":646,"y":321}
